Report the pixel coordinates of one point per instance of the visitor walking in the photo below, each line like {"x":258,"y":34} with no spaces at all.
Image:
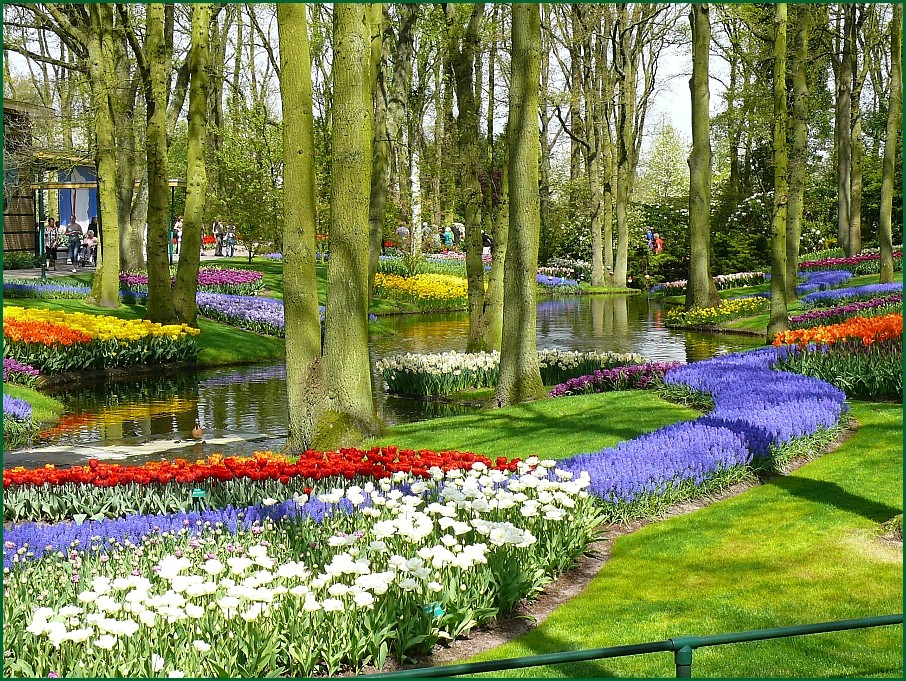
{"x":218,"y":239}
{"x":658,"y":244}
{"x":486,"y":243}
{"x":448,"y":237}
{"x":230,"y":240}
{"x":51,"y":241}
{"x":74,"y":234}
{"x":177,"y":234}
{"x":649,"y":237}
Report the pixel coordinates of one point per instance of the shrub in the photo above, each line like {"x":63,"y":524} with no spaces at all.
{"x":19,"y":260}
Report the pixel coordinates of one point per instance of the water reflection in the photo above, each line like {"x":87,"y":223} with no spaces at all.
{"x":252,"y":400}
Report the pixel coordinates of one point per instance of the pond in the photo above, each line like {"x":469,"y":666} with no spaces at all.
{"x":244,"y":408}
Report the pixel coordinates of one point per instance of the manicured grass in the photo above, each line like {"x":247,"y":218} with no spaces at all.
{"x":550,"y":428}
{"x":219,"y":344}
{"x":800,"y":549}
{"x":45,"y":410}
{"x":588,"y":288}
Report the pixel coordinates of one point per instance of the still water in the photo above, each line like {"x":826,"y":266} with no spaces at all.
{"x":250,"y":401}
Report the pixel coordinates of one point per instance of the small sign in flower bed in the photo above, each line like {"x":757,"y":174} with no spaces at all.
{"x":425,"y":375}
{"x":210,"y":280}
{"x":862,"y":356}
{"x":54,"y":341}
{"x":310,"y":586}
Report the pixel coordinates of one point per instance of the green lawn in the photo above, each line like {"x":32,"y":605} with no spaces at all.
{"x":220,"y":344}
{"x":551,"y":428}
{"x":799,"y":549}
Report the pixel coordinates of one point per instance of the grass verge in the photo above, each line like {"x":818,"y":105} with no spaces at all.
{"x":551,"y":428}
{"x":802,"y":548}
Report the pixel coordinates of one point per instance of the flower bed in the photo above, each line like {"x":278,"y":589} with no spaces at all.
{"x":29,"y":288}
{"x":821,"y":280}
{"x":112,"y":490}
{"x":864,"y":263}
{"x":19,"y":373}
{"x":835,"y":315}
{"x":425,"y":375}
{"x":722,"y":281}
{"x":400,"y":266}
{"x":850,"y":294}
{"x":861,"y":356}
{"x":18,"y":422}
{"x":210,"y":280}
{"x":54,"y":341}
{"x":261,"y":315}
{"x":760,"y":418}
{"x":635,"y":377}
{"x":313,"y":592}
{"x":709,"y":316}
{"x":558,"y":285}
{"x":427,"y":291}
{"x":568,"y":272}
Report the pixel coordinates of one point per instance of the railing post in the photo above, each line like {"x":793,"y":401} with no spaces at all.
{"x":683,"y":660}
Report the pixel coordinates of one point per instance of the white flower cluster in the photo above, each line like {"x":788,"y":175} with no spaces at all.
{"x":568,"y":359}
{"x":421,"y":542}
{"x":441,"y":363}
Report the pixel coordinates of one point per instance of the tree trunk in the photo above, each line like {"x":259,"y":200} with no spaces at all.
{"x":105,"y":291}
{"x":138,"y":218}
{"x":779,"y":320}
{"x":197,"y":180}
{"x":304,"y":373}
{"x":843,"y":73}
{"x":492,"y":316}
{"x":160,"y":296}
{"x":799,"y":152}
{"x":520,"y":377}
{"x":854,"y":243}
{"x":894,"y":126}
{"x":463,"y":48}
{"x":701,"y":291}
{"x":380,"y":172}
{"x":348,"y":415}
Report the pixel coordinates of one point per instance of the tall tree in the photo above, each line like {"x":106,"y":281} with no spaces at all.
{"x":894,"y":127}
{"x":779,"y":320}
{"x":348,"y":414}
{"x":197,"y":180}
{"x":380,"y":155}
{"x":520,"y":377}
{"x":701,"y":290}
{"x":463,"y":47}
{"x":842,"y":62}
{"x":799,"y":150}
{"x":304,"y":372}
{"x":157,"y":56}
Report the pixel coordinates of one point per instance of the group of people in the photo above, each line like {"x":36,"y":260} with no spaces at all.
{"x":82,"y":246}
{"x":224,"y":238}
{"x":655,"y":243}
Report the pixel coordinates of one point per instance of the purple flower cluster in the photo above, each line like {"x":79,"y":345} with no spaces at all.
{"x":273,"y":256}
{"x":16,"y":409}
{"x":852,"y":260}
{"x":29,"y":289}
{"x":101,"y":536}
{"x":833,"y":315}
{"x":546,"y":280}
{"x":850,"y":294}
{"x":755,"y":408}
{"x":210,"y":279}
{"x":261,"y":315}
{"x":821,"y":281}
{"x":637,"y":376}
{"x":12,"y":367}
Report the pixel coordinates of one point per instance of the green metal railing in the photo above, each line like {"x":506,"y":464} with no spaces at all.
{"x":682,"y":648}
